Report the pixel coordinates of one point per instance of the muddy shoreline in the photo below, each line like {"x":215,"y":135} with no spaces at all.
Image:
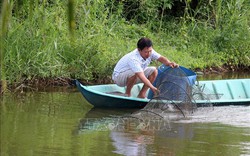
{"x":37,"y":83}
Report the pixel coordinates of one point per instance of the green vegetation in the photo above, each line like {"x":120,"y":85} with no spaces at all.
{"x":84,"y":38}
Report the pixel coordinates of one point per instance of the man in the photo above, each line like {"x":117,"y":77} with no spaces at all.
{"x":133,"y":68}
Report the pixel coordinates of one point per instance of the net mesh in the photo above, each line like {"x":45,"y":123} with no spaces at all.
{"x":177,"y":97}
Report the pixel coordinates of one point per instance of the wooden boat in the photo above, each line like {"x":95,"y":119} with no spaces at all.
{"x":228,"y":92}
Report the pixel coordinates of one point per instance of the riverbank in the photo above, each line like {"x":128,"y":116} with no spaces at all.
{"x":36,"y":83}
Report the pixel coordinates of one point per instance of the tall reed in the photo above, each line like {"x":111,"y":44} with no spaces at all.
{"x":71,"y":17}
{"x":4,"y":19}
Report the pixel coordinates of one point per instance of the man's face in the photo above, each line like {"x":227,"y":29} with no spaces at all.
{"x":146,"y":52}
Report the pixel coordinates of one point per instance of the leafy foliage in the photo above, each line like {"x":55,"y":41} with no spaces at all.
{"x":84,"y":39}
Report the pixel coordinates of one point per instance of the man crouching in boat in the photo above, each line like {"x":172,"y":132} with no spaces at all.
{"x":133,"y":68}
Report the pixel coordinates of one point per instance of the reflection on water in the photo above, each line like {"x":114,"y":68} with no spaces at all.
{"x":63,"y":123}
{"x":230,"y":115}
{"x":194,"y":138}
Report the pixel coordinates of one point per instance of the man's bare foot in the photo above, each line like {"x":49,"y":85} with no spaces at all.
{"x":128,"y":95}
{"x":142,"y":97}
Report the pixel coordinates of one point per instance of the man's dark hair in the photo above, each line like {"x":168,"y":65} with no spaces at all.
{"x":144,"y":42}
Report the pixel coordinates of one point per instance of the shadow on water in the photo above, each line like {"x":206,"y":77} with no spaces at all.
{"x":101,"y":112}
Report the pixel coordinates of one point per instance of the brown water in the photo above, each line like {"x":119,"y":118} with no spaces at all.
{"x":63,"y":123}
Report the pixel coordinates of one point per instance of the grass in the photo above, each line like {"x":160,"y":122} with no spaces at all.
{"x":84,"y":39}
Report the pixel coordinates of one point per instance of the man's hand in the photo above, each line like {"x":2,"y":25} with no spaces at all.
{"x":173,"y":65}
{"x":167,"y":62}
{"x":155,"y":91}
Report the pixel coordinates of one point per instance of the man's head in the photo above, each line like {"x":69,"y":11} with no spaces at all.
{"x":144,"y":42}
{"x":145,"y":47}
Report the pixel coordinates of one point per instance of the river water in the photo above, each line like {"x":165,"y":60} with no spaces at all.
{"x":61,"y":122}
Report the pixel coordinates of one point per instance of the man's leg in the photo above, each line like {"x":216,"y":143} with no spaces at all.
{"x":126,"y":78}
{"x":151,"y":78}
{"x":130,"y":83}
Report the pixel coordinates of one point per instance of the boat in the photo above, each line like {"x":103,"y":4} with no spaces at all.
{"x":227,"y":92}
{"x":224,"y":92}
{"x":111,"y":96}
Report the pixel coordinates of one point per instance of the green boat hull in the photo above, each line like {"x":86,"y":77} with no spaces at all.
{"x":233,"y":91}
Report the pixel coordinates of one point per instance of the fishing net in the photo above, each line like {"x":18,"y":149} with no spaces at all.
{"x":178,"y":95}
{"x":201,"y":92}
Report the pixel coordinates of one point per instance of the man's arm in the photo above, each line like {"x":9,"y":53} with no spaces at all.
{"x":144,"y":79}
{"x":167,"y":62}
